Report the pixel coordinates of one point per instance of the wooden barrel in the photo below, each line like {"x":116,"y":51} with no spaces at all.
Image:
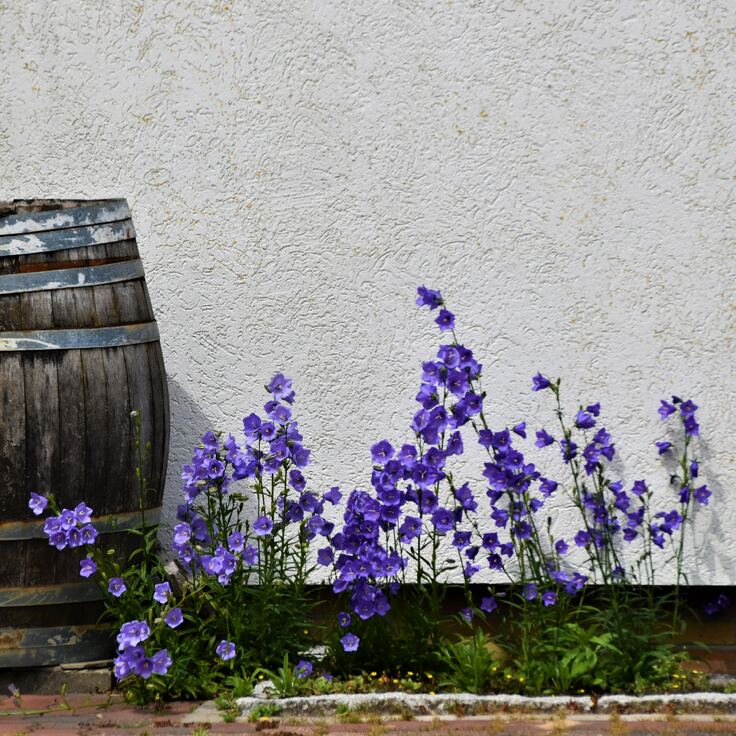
{"x":79,"y":350}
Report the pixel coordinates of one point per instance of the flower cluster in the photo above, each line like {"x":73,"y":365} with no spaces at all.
{"x":382,"y":529}
{"x":416,"y":499}
{"x":272,"y":449}
{"x":691,"y":469}
{"x":132,"y":659}
{"x":213,"y":541}
{"x":69,"y":528}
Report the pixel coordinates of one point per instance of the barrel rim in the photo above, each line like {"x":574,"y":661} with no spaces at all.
{"x":84,"y":236}
{"x":22,"y":223}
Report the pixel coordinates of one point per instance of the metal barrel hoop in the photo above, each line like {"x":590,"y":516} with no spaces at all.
{"x":73,"y":237}
{"x":71,"y":278}
{"x":69,"y":217}
{"x":79,"y":339}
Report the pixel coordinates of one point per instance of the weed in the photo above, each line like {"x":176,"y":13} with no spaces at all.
{"x":263,"y":710}
{"x":618,"y":728}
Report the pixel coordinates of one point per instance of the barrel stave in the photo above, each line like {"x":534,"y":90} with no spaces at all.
{"x":118,"y":460}
{"x":42,"y":422}
{"x":71,"y":483}
{"x":22,"y":206}
{"x":133,"y":302}
{"x":12,"y":436}
{"x":141,"y":399}
{"x":84,"y":305}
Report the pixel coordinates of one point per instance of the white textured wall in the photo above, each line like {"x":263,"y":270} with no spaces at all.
{"x":564,"y":171}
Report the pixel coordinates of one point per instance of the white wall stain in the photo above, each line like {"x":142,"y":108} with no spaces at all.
{"x":565,"y":173}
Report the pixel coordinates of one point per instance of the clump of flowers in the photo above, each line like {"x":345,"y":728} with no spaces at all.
{"x":420,"y":515}
{"x":67,"y":527}
{"x":250,"y":532}
{"x":241,"y":543}
{"x":132,"y":659}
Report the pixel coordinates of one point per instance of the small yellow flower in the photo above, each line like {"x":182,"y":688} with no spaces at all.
{"x":522,"y":679}
{"x":410,"y":674}
{"x":508,"y":676}
{"x":430,"y":676}
{"x":260,"y":677}
{"x":432,"y":692}
{"x":306,"y":631}
{"x":374,"y":674}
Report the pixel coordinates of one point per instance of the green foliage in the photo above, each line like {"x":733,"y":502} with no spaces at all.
{"x":469,"y":664}
{"x":192,"y":674}
{"x":240,"y":686}
{"x":322,"y":686}
{"x":286,"y":682}
{"x":594,"y":644}
{"x":227,"y":706}
{"x":614,"y":637}
{"x":267,"y":620}
{"x":265,"y":608}
{"x":573,"y":658}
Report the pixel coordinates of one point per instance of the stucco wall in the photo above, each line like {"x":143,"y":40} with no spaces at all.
{"x":563,"y":171}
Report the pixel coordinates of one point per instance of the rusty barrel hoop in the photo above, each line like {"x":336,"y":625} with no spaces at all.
{"x":79,"y":351}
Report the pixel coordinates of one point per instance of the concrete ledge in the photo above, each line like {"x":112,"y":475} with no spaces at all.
{"x":398,"y":704}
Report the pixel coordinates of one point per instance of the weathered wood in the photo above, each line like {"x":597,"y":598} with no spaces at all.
{"x":53,"y":645}
{"x":42,"y":400}
{"x":41,"y":445}
{"x":10,"y":315}
{"x":118,"y":451}
{"x":75,"y":359}
{"x":71,"y":399}
{"x":12,"y":434}
{"x":141,"y":399}
{"x":131,"y":298}
{"x":102,"y":253}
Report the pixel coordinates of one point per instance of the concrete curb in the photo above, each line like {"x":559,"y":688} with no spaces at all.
{"x":397,"y":704}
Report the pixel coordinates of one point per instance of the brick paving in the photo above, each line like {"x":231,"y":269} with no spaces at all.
{"x":97,"y":715}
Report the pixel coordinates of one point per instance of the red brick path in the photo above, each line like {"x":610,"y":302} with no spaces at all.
{"x":96,"y":715}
